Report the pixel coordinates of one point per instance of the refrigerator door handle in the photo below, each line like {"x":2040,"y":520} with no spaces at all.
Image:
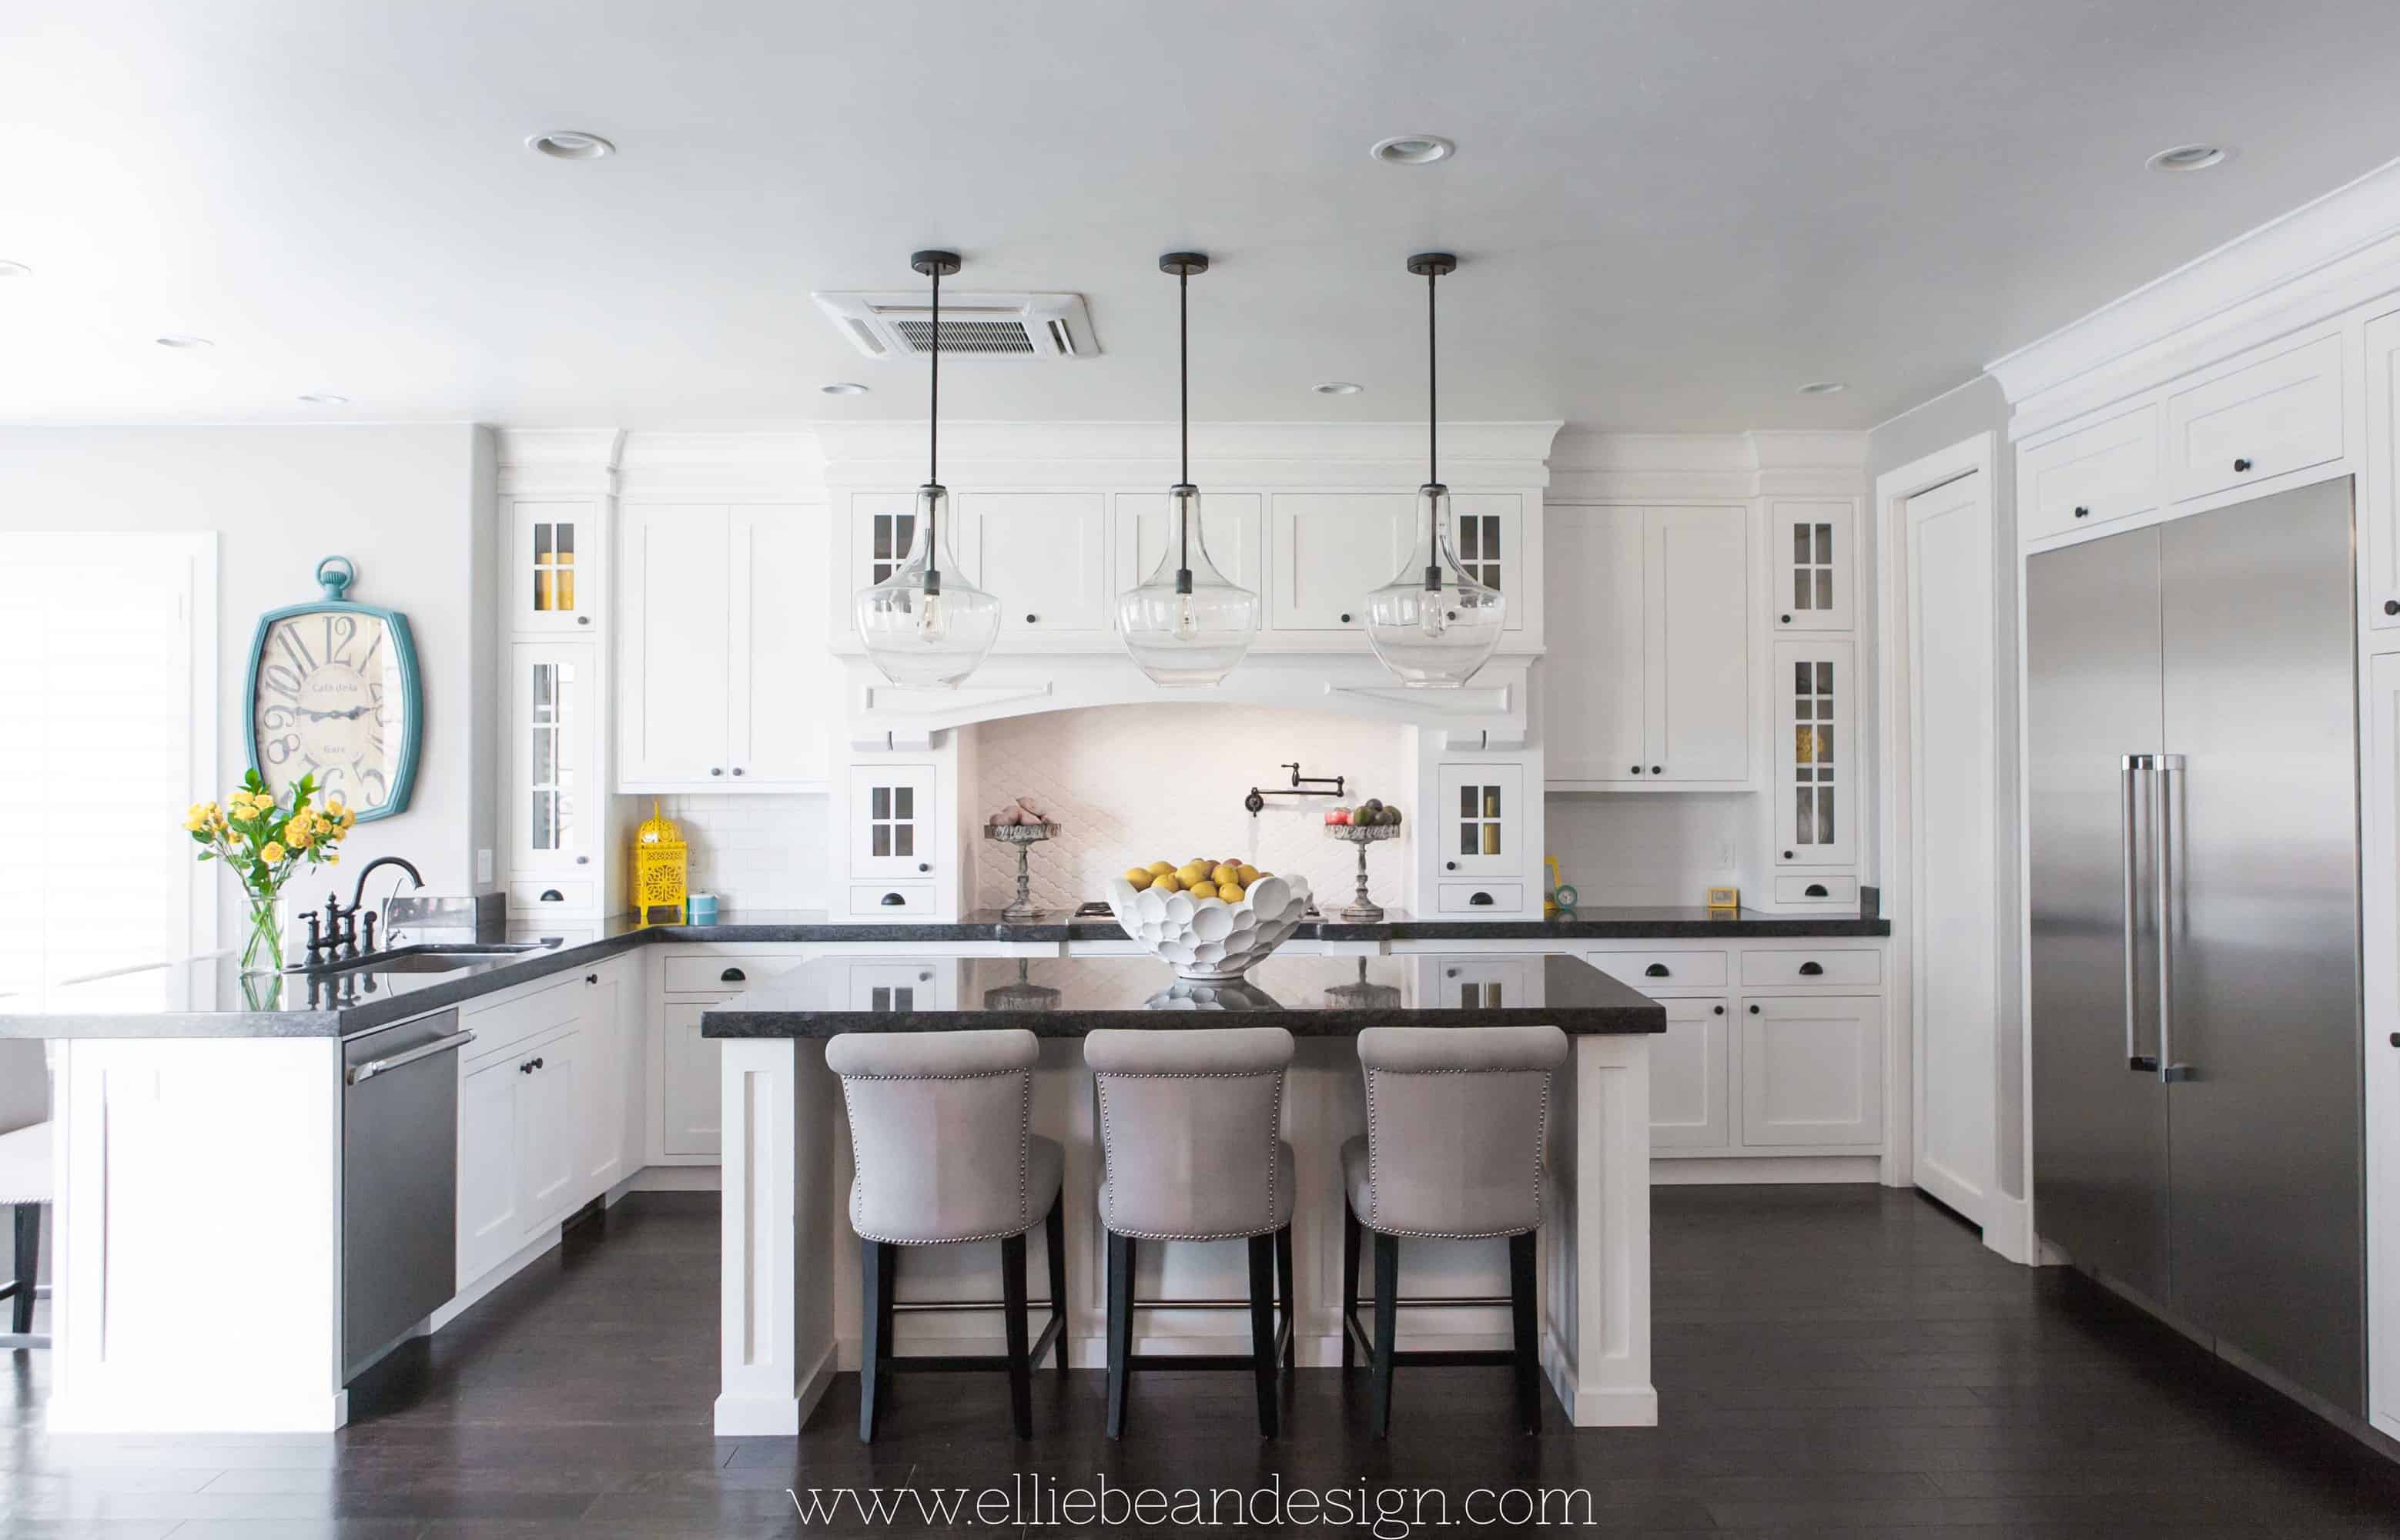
{"x":2129,"y":881}
{"x":2167,"y":767}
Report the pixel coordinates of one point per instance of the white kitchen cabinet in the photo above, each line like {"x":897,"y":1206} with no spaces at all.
{"x":1810,"y":544}
{"x":690,"y":1121}
{"x":1229,"y":527}
{"x":1815,"y":753}
{"x":901,"y":986}
{"x":557,"y":804}
{"x":1330,"y":550}
{"x":1689,"y":1083}
{"x":2103,"y":471}
{"x":490,"y":1219}
{"x":725,"y":684}
{"x":1494,"y":982}
{"x":557,"y":578}
{"x":2379,"y":915}
{"x":1487,"y":533}
{"x":892,"y":824}
{"x":1043,"y":555}
{"x":1811,"y":1071}
{"x":1647,"y":678}
{"x":2378,"y":523}
{"x":1478,"y":820}
{"x":611,"y":1121}
{"x":2278,"y":409}
{"x":549,"y":1117}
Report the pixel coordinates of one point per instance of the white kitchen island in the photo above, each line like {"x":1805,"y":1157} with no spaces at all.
{"x":790,"y":1293}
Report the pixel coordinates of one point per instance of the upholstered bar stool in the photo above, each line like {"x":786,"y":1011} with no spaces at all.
{"x":1457,"y":1123}
{"x":1192,"y":1135}
{"x":941,"y":1126}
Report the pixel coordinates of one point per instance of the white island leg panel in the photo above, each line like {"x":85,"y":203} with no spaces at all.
{"x":779,"y":1205}
{"x":1595,"y":1246}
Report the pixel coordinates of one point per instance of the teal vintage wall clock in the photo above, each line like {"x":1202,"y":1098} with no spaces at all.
{"x":333,"y":693}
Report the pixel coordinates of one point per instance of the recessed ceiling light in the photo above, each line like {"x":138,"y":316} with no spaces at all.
{"x":570,"y":144}
{"x":322,"y":399}
{"x":13,"y":269}
{"x":1335,"y":388}
{"x":2189,"y":158}
{"x":177,"y":340}
{"x":1413,"y":149}
{"x":843,"y":387}
{"x":1823,"y":388}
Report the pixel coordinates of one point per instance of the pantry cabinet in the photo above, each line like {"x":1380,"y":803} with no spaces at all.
{"x":724,"y":684}
{"x":1647,"y":681}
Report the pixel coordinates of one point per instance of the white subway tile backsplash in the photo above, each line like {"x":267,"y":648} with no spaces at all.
{"x":1645,"y":850}
{"x":753,"y":853}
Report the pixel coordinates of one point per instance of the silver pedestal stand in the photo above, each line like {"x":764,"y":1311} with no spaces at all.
{"x":1024,"y":837}
{"x":1363,"y":834}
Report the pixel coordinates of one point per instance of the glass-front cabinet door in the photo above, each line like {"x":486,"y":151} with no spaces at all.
{"x":555,"y":583}
{"x":1815,"y":763}
{"x":1479,"y":821}
{"x":892,"y":827}
{"x":554,"y":814}
{"x":1810,"y":545}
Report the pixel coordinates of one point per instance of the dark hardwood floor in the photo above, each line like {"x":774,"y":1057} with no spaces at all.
{"x":1841,"y":1361}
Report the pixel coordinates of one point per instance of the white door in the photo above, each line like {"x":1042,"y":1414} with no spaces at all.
{"x":1593,"y":594}
{"x":2378,"y":524}
{"x":1816,"y":752}
{"x":2379,"y":910}
{"x":555,"y":578}
{"x":1687,"y":1079}
{"x":691,"y":1116}
{"x":1043,"y":554}
{"x":784,"y":694}
{"x":549,"y":1117}
{"x":892,"y":829}
{"x":1330,"y":550}
{"x":1695,"y":567}
{"x":488,"y":1214}
{"x":673,"y":692}
{"x":1811,"y":1072}
{"x":1478,"y":819}
{"x":1809,"y":545}
{"x":614,"y":1073}
{"x":1954,"y":898}
{"x":556,"y":809}
{"x":1229,"y":527}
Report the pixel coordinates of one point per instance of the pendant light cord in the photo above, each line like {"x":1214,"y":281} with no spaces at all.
{"x":1433,"y":391}
{"x":933,"y":447}
{"x":1183,"y":364}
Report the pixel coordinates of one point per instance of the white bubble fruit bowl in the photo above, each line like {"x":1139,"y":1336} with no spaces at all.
{"x":1208,"y":938}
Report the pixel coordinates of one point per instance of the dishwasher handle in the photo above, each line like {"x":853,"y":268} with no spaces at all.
{"x":360,"y":1074}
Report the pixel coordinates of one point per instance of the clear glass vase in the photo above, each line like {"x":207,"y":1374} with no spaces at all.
{"x":263,"y":952}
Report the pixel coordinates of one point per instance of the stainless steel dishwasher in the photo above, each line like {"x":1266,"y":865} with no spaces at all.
{"x":400,"y":1178}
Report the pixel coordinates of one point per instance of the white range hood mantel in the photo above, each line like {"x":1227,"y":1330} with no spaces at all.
{"x":1489,"y":713}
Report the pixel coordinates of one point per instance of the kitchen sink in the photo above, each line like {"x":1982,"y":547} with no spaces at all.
{"x":437,"y":958}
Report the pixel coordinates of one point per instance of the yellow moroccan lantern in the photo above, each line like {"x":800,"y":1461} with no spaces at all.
{"x":661,"y":866}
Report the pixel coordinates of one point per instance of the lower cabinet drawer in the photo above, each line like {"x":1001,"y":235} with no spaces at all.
{"x":1470,"y":898}
{"x":1824,"y":965}
{"x":529,"y":896}
{"x":876,"y":901}
{"x":1662,"y":970}
{"x":1841,"y":891}
{"x":699,"y":973}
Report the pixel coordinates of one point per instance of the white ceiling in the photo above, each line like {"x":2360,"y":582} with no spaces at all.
{"x":1671,"y":212}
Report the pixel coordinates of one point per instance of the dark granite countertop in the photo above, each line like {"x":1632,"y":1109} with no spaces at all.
{"x":208,"y":997}
{"x":1067,"y":997}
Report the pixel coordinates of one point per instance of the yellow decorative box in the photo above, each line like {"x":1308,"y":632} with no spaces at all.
{"x":662,"y":869}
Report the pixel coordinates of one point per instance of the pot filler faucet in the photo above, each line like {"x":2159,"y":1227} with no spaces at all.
{"x":340,"y":939}
{"x":1300,"y":786}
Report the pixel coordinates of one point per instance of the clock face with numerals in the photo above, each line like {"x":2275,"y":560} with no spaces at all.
{"x":332,"y":694}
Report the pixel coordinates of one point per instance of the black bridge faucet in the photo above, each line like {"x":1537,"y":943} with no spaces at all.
{"x":339,"y":939}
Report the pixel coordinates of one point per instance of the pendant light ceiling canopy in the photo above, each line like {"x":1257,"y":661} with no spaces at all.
{"x":1432,"y":625}
{"x":1187,"y":623}
{"x":927,"y":623}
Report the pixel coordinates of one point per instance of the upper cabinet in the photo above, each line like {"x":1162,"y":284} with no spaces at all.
{"x":2256,"y":420}
{"x":1329,"y":551}
{"x":723,"y":684}
{"x":1229,"y":527}
{"x":2091,"y":476}
{"x":1648,"y":670}
{"x":557,"y":578}
{"x":1044,"y":555}
{"x":1816,"y":752}
{"x":557,"y":819}
{"x":1811,"y":546}
{"x":2379,"y":522}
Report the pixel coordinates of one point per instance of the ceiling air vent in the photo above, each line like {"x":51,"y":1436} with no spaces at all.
{"x":1034,"y":326}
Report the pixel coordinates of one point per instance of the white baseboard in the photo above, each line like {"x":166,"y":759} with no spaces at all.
{"x":222,"y":1409}
{"x":775,"y":1416}
{"x":1668,"y":1171}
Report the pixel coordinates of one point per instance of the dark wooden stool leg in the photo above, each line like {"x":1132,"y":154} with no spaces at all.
{"x":1120,"y":1328}
{"x":1020,"y":1357}
{"x":1263,"y":1336}
{"x":1350,"y":1236}
{"x":1528,"y":1354}
{"x":1290,"y":1300}
{"x":874,"y":1288}
{"x":1388,"y":1316}
{"x":1054,"y":1240}
{"x":29,"y":1262}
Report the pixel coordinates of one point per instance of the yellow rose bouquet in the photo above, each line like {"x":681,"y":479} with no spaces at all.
{"x":265,"y":843}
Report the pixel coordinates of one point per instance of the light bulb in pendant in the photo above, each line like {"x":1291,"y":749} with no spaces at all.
{"x":930,"y":626}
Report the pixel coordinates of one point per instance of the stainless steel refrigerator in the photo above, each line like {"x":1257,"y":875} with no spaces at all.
{"x":2191,"y":715}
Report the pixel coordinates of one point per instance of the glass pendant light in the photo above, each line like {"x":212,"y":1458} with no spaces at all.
{"x":926,"y":623}
{"x":1188,"y":623}
{"x":1433,"y":625}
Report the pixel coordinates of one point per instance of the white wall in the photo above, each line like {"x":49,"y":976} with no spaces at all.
{"x":1136,"y":784}
{"x":411,"y":506}
{"x":1651,"y":848}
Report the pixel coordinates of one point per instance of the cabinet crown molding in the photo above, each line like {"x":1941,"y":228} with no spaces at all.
{"x":1589,"y":464}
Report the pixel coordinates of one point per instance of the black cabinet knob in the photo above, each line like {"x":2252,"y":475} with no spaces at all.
{"x":1753,"y":1010}
{"x":1481,"y":899}
{"x":1810,"y":970}
{"x":1449,"y":865}
{"x":737,"y":770}
{"x":731,"y":976}
{"x":1656,"y":970}
{"x":2083,"y":512}
{"x":537,"y":1064}
{"x":1345,"y":618}
{"x":591,"y":978}
{"x":717,"y":770}
{"x":2391,"y":606}
{"x":1657,"y":770}
{"x":2395,"y":1040}
{"x":1637,"y":769}
{"x":1716,"y":1010}
{"x":526,"y":1069}
{"x":893,"y":901}
{"x":1785,"y":618}
{"x":551,"y":895}
{"x":1815,"y":890}
{"x":583,"y":620}
{"x":584,"y":861}
{"x":1032,"y":619}
{"x":925,"y":866}
{"x":2240,"y":466}
{"x":1787,"y":856}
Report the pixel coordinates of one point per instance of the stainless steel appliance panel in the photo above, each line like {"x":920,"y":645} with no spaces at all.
{"x":400,"y":1179}
{"x":2264,"y":1115}
{"x":2093,"y":698}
